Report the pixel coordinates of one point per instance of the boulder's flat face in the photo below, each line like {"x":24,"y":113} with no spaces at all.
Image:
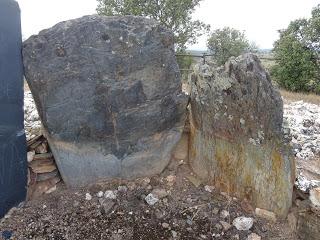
{"x":237,"y":140}
{"x":108,"y":92}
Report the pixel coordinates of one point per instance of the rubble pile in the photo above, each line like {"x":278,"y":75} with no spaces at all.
{"x":32,"y":123}
{"x":43,"y":174}
{"x":303,"y":120}
{"x":169,"y":206}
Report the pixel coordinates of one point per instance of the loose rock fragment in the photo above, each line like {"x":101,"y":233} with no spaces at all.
{"x":254,"y":236}
{"x":110,"y":194}
{"x":226,"y":226}
{"x":30,"y":156}
{"x":208,"y":188}
{"x":270,"y":216}
{"x":159,"y":193}
{"x":88,"y":197}
{"x":165,"y":225}
{"x":315,"y":197}
{"x":100,"y":194}
{"x":151,"y":199}
{"x":107,"y":205}
{"x":243,"y":223}
{"x":224,"y":214}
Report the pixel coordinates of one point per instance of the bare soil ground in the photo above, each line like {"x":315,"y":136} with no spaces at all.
{"x":187,"y":212}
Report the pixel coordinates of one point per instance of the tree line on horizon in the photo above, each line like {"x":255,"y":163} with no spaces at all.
{"x":296,"y":52}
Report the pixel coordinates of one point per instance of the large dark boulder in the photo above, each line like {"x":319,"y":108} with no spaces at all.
{"x":237,"y":141}
{"x":108,"y":92}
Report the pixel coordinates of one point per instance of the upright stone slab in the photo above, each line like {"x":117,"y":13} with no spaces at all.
{"x":13,"y":154}
{"x":108,"y":92}
{"x":236,"y":137}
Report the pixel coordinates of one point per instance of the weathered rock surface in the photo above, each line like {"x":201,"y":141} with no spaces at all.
{"x":109,"y":96}
{"x":237,"y":140}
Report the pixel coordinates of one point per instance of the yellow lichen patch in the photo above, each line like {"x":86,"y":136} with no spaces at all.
{"x":254,"y":173}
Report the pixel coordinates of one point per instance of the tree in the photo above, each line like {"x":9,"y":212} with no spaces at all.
{"x":227,"y":42}
{"x":297,"y":54}
{"x":173,"y":14}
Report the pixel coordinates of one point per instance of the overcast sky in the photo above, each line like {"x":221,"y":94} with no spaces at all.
{"x":260,"y":19}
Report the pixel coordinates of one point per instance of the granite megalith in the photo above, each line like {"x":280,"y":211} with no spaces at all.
{"x":237,"y":140}
{"x":108,"y":92}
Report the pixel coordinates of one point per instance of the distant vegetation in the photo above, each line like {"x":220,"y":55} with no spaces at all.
{"x":297,"y":55}
{"x":173,"y":14}
{"x":227,"y":42}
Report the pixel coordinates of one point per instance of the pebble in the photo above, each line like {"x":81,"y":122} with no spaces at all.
{"x":165,"y":225}
{"x":100,"y":194}
{"x":88,"y":197}
{"x":224,"y":214}
{"x":30,"y":156}
{"x":226,"y":226}
{"x":151,"y":199}
{"x":107,"y":205}
{"x":236,"y":237}
{"x":122,"y":189}
{"x":110,"y":194}
{"x":243,"y":223}
{"x":315,"y":196}
{"x":208,"y":188}
{"x":174,"y":234}
{"x":215,"y":211}
{"x":262,"y":213}
{"x":159,"y":193}
{"x":254,"y":236}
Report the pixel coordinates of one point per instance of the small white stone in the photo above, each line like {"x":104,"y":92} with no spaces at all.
{"x":242,"y":121}
{"x":30,"y":156}
{"x":110,"y":194}
{"x":88,"y":197}
{"x":224,"y":214}
{"x":174,"y":234}
{"x":151,"y":199}
{"x":243,"y":223}
{"x":208,"y":188}
{"x":100,"y":194}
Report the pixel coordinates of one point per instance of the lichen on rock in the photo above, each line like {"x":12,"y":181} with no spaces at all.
{"x":108,"y":92}
{"x":236,"y":139}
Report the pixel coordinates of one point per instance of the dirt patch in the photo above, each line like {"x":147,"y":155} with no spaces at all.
{"x":184,"y":212}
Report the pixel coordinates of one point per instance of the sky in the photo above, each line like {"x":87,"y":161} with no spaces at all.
{"x":260,"y":19}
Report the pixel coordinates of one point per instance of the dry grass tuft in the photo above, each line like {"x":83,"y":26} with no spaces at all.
{"x":306,"y":97}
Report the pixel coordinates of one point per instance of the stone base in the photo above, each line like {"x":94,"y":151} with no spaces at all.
{"x":260,"y":174}
{"x":83,"y":164}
